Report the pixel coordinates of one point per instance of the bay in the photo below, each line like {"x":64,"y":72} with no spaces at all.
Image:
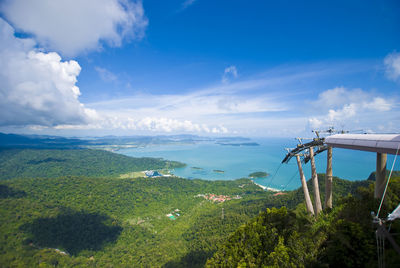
{"x":213,"y":161}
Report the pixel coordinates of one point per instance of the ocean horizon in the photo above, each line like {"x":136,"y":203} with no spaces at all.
{"x":213,"y":161}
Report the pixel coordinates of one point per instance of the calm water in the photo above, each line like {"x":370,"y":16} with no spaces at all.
{"x":240,"y":161}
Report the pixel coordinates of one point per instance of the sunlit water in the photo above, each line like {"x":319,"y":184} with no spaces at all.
{"x":203,"y":159}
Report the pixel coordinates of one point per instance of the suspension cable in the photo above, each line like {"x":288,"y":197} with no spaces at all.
{"x":273,"y":177}
{"x":387,"y":182}
{"x":380,"y":246}
{"x":290,"y":180}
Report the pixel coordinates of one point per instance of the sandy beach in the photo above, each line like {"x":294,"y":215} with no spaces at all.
{"x":266,"y":188}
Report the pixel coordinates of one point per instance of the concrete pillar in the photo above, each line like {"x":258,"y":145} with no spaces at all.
{"x":317,"y":198}
{"x":328,"y":179}
{"x":309,"y":205}
{"x":380,"y":176}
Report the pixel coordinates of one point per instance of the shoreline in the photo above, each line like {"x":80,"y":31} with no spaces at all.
{"x":266,"y":188}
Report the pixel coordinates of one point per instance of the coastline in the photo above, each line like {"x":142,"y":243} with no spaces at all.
{"x":266,"y":188}
{"x":204,"y":159}
{"x":266,"y":157}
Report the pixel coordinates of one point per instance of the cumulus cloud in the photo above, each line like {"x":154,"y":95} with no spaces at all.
{"x":74,"y":26}
{"x":392,"y":64}
{"x":340,"y":105}
{"x":338,"y":96}
{"x":315,"y":123}
{"x":37,"y":88}
{"x":229,"y":73}
{"x":348,"y":111}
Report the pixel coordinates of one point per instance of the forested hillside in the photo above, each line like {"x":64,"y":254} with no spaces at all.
{"x":123,"y":222}
{"x":47,"y":163}
{"x":120,"y":222}
{"x":99,"y":219}
{"x":343,"y":237}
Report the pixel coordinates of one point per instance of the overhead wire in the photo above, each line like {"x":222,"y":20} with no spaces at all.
{"x":290,"y":180}
{"x":273,"y":177}
{"x":380,"y":247}
{"x":380,"y":238}
{"x":387,"y":182}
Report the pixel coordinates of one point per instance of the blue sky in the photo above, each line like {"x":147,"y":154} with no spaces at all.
{"x":249,"y":68}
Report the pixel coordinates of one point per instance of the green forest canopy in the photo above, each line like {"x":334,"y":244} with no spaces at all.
{"x":47,"y":163}
{"x":103,"y":221}
{"x":342,"y":237}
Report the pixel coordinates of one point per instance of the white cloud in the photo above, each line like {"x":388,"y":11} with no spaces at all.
{"x":105,"y":74}
{"x":229,"y":73}
{"x":207,"y":110}
{"x":348,"y":111}
{"x":200,"y":104}
{"x":315,"y":123}
{"x":198,"y":112}
{"x":247,"y":107}
{"x":392,"y":64}
{"x":338,"y":96}
{"x":37,"y":88}
{"x":341,"y":106}
{"x":378,"y":104}
{"x":270,"y":104}
{"x":147,"y":124}
{"x":75,"y":26}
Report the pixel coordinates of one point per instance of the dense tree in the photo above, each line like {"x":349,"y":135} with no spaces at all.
{"x":342,"y":237}
{"x":47,"y":163}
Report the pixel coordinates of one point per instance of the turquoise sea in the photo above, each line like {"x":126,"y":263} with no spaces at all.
{"x":204,"y":158}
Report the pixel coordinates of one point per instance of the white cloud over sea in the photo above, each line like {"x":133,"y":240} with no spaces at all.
{"x":353,"y":107}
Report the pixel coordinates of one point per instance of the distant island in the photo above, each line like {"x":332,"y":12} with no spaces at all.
{"x":238,"y":144}
{"x":218,"y":171}
{"x":258,"y":174}
{"x":112,"y":143}
{"x":197,"y":168}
